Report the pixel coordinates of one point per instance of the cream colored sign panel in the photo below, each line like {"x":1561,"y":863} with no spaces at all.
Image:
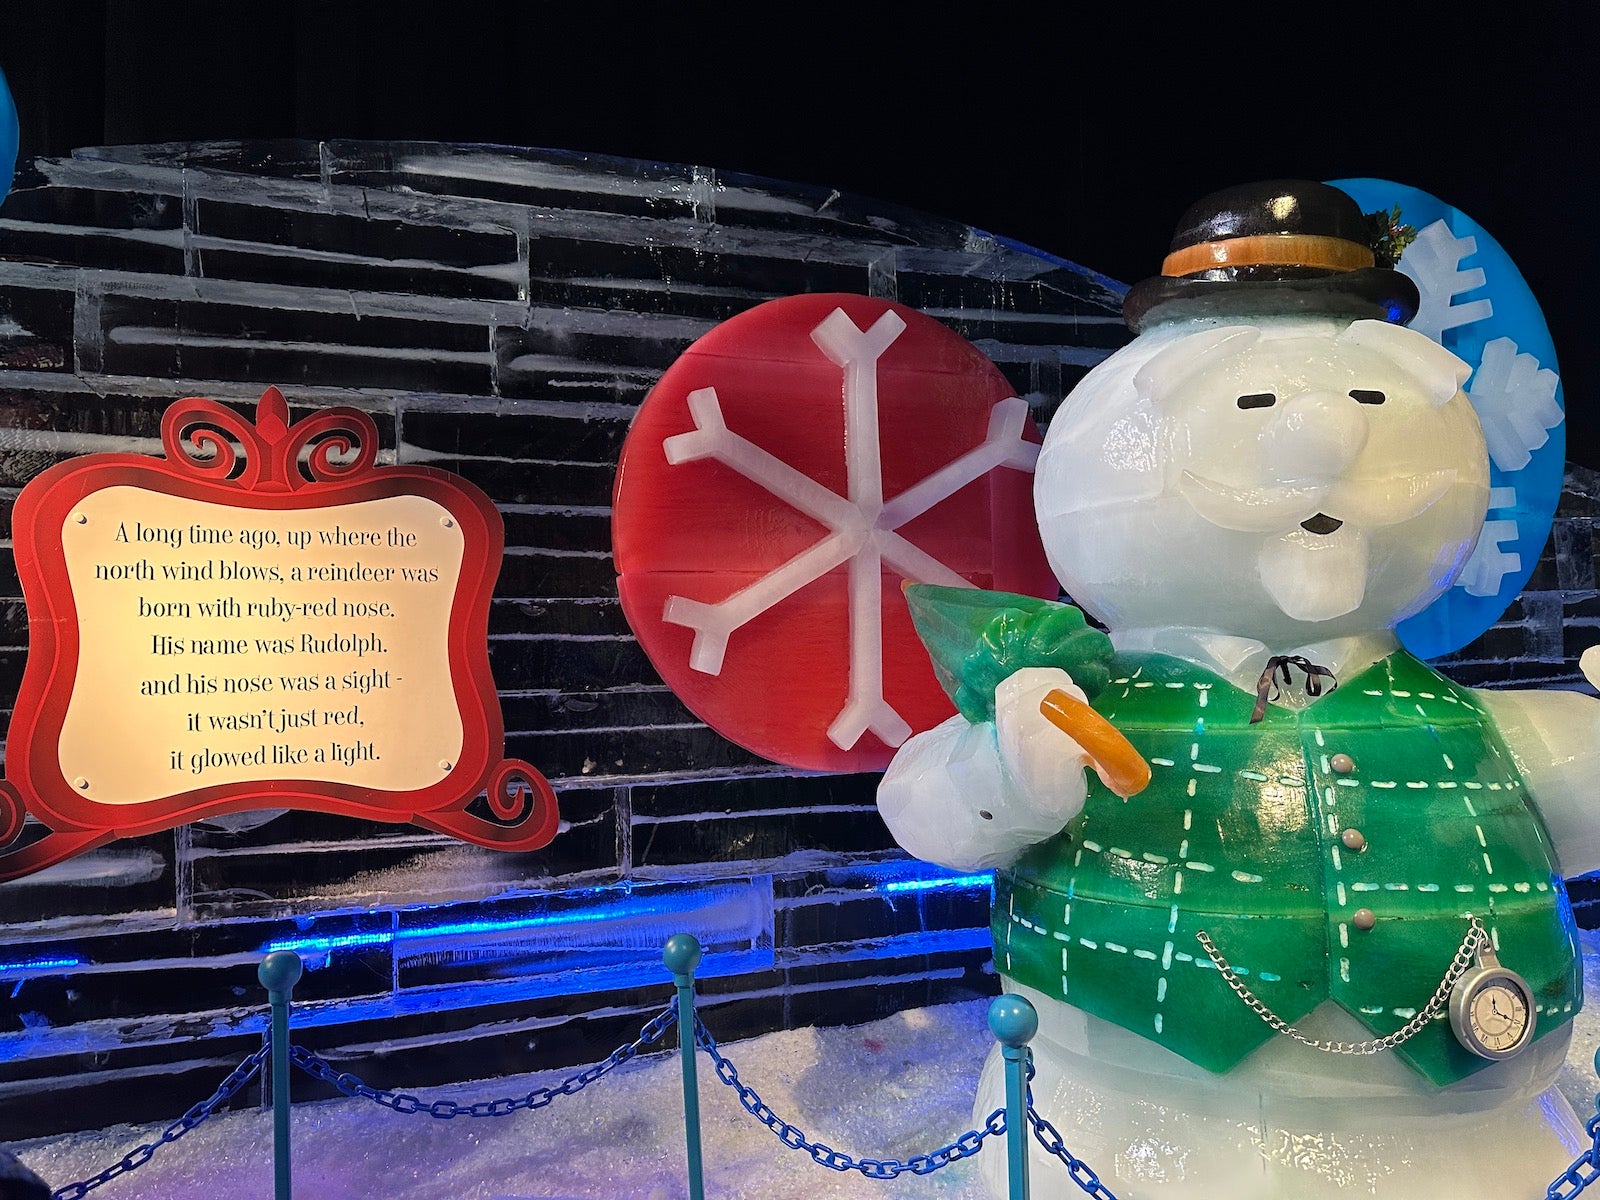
{"x":224,"y":645}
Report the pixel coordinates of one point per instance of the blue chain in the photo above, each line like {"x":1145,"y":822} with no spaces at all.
{"x":1048,"y":1137}
{"x":1585,"y":1169}
{"x":444,"y":1110}
{"x":242,"y":1074}
{"x":965,"y":1146}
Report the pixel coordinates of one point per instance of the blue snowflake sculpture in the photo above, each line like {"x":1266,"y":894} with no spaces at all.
{"x":1476,"y":304}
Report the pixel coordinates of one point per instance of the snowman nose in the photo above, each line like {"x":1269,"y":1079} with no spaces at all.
{"x":1313,"y":438}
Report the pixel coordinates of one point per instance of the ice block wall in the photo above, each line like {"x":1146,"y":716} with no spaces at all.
{"x":501,"y":314}
{"x":1538,"y":640}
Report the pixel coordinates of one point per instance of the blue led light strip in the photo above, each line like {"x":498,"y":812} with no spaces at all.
{"x":963,"y":882}
{"x":35,"y":965}
{"x":609,"y":913}
{"x":383,"y":937}
{"x":321,"y":945}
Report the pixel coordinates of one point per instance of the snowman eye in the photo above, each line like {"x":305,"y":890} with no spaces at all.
{"x":1362,"y":396}
{"x":1258,"y":400}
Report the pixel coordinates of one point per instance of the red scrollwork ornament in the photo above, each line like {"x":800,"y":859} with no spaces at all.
{"x":112,"y":625}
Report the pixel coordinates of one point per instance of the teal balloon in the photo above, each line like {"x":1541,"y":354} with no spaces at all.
{"x":1522,"y":501}
{"x":8,"y":137}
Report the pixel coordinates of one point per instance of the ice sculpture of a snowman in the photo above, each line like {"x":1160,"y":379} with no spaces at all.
{"x":1326,"y":950}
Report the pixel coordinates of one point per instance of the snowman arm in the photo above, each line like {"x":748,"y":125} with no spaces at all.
{"x":1554,"y":737}
{"x":1041,"y":763}
{"x":973,"y":796}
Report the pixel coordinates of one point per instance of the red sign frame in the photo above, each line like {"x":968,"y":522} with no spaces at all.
{"x":216,"y":456}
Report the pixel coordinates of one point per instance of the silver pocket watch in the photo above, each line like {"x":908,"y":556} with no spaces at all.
{"x":1491,"y":1007}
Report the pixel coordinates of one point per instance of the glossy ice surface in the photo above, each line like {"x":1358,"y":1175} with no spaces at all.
{"x":1183,"y":480}
{"x":1288,"y":1123}
{"x":1215,"y":493}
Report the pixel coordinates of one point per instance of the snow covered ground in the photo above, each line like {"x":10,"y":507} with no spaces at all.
{"x":891,"y":1089}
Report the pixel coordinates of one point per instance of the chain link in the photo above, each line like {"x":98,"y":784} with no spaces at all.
{"x":1585,"y":1169}
{"x":242,"y":1074}
{"x":965,"y":1146}
{"x":1047,"y":1136}
{"x":445,"y":1110}
{"x":1476,"y":936}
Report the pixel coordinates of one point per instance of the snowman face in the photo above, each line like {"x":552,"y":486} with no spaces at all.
{"x":1288,"y":481}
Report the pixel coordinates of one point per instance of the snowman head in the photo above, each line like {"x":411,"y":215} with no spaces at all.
{"x":1288,"y":479}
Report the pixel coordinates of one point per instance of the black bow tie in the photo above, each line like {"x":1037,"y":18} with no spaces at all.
{"x":1279,"y":665}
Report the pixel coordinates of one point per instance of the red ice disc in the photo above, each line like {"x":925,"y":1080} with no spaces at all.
{"x":808,"y":454}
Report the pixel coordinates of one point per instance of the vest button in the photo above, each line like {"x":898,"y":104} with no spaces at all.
{"x":1353,"y":839}
{"x":1342,"y":764}
{"x":1363,"y":919}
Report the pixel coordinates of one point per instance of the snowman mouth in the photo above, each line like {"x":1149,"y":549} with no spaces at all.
{"x":1269,"y":508}
{"x":1321,"y":524}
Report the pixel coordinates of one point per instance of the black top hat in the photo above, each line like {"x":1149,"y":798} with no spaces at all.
{"x":1282,"y":246}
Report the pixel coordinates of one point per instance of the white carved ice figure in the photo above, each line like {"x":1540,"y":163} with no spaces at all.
{"x":1515,"y":398}
{"x":1019,"y":784}
{"x":1289,"y":481}
{"x":1513,"y":395}
{"x":1218,"y":493}
{"x":862,"y":527}
{"x":1490,"y":563}
{"x":1433,"y":263}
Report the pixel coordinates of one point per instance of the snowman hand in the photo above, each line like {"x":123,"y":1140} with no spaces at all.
{"x":975,"y":796}
{"x":1042,"y":766}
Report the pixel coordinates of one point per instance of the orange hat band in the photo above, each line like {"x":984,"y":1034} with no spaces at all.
{"x":1272,"y":249}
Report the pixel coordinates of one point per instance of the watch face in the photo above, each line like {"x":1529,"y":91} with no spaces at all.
{"x":1498,"y":1015}
{"x":1492,"y":1012}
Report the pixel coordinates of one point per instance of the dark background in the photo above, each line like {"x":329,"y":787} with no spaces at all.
{"x":1084,"y":134}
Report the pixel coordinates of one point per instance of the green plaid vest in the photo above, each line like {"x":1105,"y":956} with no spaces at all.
{"x":1240,"y":833}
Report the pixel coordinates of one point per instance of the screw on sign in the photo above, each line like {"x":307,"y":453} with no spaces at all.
{"x":784,"y":477}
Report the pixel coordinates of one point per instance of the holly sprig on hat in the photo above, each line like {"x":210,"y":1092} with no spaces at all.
{"x":1388,"y":236}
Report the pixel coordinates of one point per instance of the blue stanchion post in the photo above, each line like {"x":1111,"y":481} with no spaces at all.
{"x":279,"y":972}
{"x":1013,"y":1022}
{"x":681,"y":956}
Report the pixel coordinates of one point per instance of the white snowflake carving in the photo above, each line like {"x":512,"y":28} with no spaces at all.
{"x":1513,"y":396}
{"x":1432,"y":262}
{"x":1515,"y":399}
{"x":1489,"y":564}
{"x":861,"y":527}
